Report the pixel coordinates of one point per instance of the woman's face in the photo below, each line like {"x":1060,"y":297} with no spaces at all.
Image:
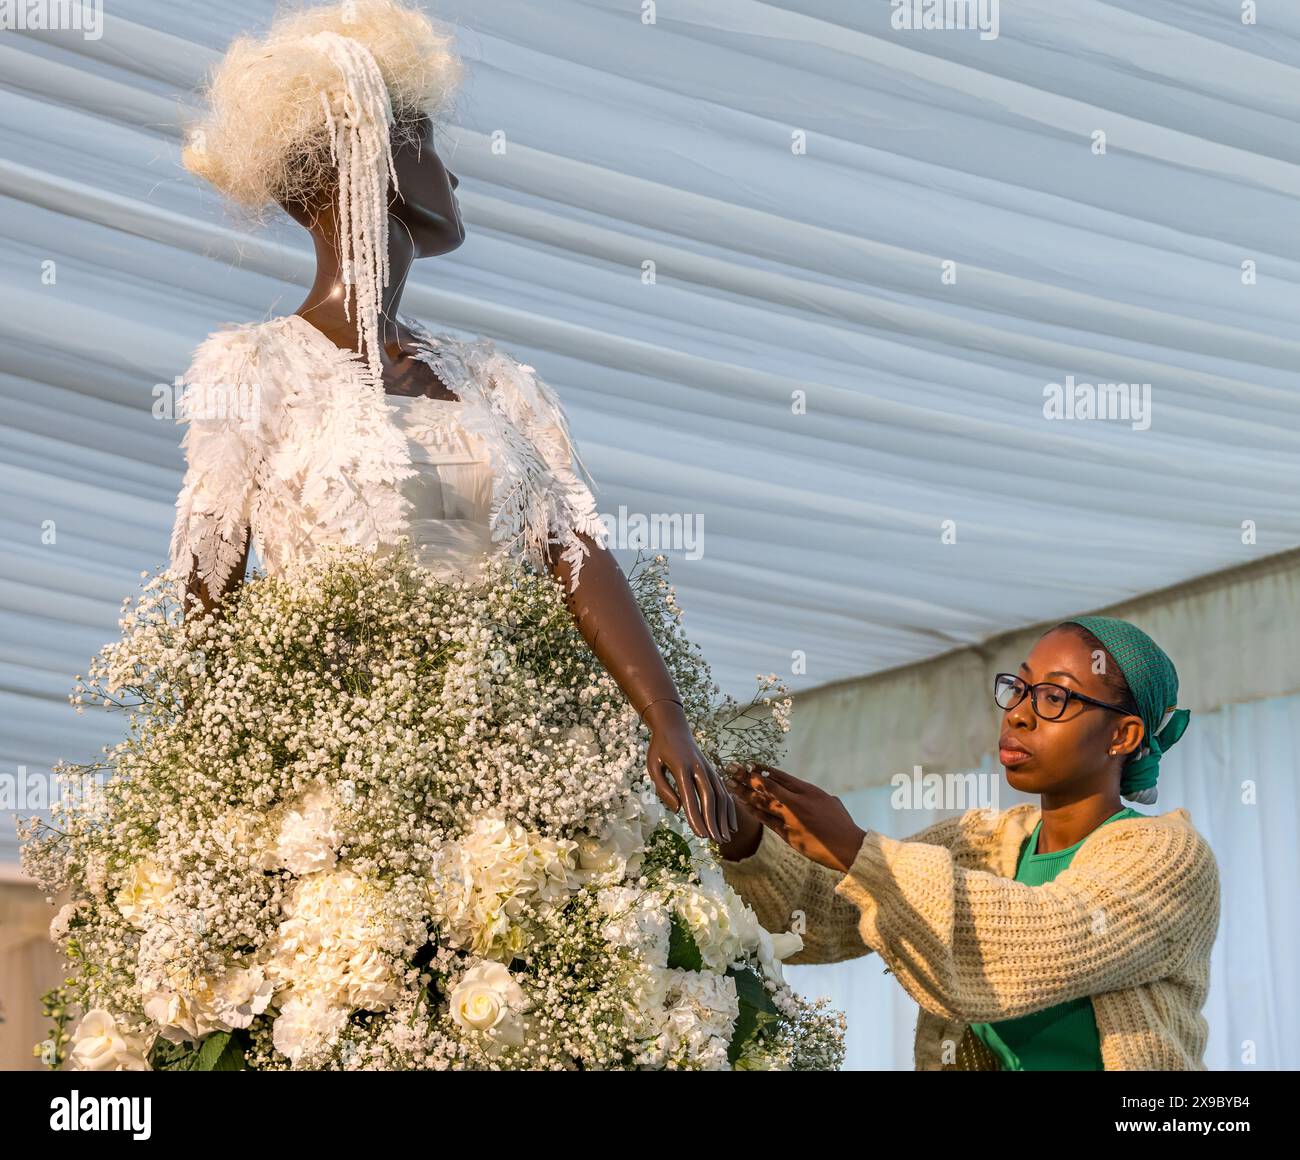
{"x":1072,"y":754}
{"x":425,"y":198}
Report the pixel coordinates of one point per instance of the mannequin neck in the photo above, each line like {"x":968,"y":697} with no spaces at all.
{"x":324,"y":305}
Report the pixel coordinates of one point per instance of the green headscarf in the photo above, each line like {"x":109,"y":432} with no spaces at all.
{"x":1153,"y":680}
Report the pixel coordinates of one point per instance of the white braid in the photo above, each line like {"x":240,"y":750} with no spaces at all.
{"x":359,"y":118}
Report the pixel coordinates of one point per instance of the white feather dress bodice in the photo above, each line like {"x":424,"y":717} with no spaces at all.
{"x":288,"y":440}
{"x":450,"y":491}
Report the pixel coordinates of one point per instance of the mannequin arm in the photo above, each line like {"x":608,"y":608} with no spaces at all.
{"x":609,"y":618}
{"x":197,"y":590}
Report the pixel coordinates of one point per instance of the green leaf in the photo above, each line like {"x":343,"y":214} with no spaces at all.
{"x":683,"y":951}
{"x":757,"y":1011}
{"x":167,"y":1056}
{"x":220,"y":1051}
{"x":667,"y":850}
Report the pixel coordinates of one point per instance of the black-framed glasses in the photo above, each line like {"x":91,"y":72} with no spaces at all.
{"x":1049,"y":700}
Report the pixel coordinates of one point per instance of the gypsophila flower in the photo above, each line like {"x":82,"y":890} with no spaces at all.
{"x":368,"y":817}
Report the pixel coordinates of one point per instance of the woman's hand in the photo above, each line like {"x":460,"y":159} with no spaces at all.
{"x":812,"y":821}
{"x":748,"y":837}
{"x":709,"y":808}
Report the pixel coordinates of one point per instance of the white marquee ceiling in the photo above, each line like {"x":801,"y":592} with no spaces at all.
{"x":818,"y":272}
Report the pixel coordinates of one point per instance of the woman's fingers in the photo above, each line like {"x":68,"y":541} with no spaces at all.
{"x":766,"y":806}
{"x":751,"y":771}
{"x":752,"y":780}
{"x":787,"y":781}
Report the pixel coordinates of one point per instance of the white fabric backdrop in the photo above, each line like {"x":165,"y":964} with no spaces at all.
{"x":1253,"y":1007}
{"x":776,"y":272}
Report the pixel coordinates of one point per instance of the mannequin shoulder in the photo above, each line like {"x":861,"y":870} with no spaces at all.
{"x":240,"y":378}
{"x":506,"y":383}
{"x":518,"y":389}
{"x":242,"y":345}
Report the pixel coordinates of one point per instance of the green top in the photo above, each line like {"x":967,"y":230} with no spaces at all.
{"x":1060,"y":1038}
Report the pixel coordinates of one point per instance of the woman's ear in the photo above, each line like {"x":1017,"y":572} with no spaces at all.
{"x":1127,"y":737}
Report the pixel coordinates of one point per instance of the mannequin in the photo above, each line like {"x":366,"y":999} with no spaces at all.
{"x":424,"y":221}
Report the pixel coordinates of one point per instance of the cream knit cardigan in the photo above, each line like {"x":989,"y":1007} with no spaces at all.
{"x":1129,"y":922}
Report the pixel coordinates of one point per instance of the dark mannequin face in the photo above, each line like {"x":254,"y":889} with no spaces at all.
{"x":425,"y":199}
{"x":1071,"y":755}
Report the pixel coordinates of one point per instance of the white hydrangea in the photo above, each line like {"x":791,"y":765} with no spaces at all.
{"x":308,"y":836}
{"x":638,"y":920}
{"x":693,"y":1021}
{"x":145,"y":891}
{"x":187,"y":1002}
{"x":307,"y":1026}
{"x":241,"y":831}
{"x":486,"y":887}
{"x":203,"y":1005}
{"x":336,"y":942}
{"x":712,"y":920}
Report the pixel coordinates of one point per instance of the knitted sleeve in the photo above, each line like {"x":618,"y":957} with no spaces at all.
{"x":221,"y":404}
{"x":1139,"y":899}
{"x":790,"y":892}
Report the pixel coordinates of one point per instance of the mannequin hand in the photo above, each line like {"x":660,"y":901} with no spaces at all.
{"x":709,"y":808}
{"x":811,"y":821}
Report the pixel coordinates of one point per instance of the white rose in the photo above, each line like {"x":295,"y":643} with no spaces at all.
{"x":775,"y":949}
{"x":488,"y":1000}
{"x":98,"y":1044}
{"x":146,"y":891}
{"x":770,"y":948}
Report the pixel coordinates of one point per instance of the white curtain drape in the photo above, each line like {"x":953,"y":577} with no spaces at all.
{"x":1235,"y":773}
{"x":798,"y":276}
{"x":1232,"y":636}
{"x":800,"y":377}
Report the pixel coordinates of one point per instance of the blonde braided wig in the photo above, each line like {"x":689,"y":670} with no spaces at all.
{"x":313,"y":107}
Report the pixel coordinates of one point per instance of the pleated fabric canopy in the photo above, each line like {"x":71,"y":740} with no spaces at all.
{"x":830,"y":296}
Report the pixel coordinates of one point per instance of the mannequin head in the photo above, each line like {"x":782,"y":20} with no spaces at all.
{"x":263,"y":138}
{"x":330,"y":116}
{"x":424,"y":200}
